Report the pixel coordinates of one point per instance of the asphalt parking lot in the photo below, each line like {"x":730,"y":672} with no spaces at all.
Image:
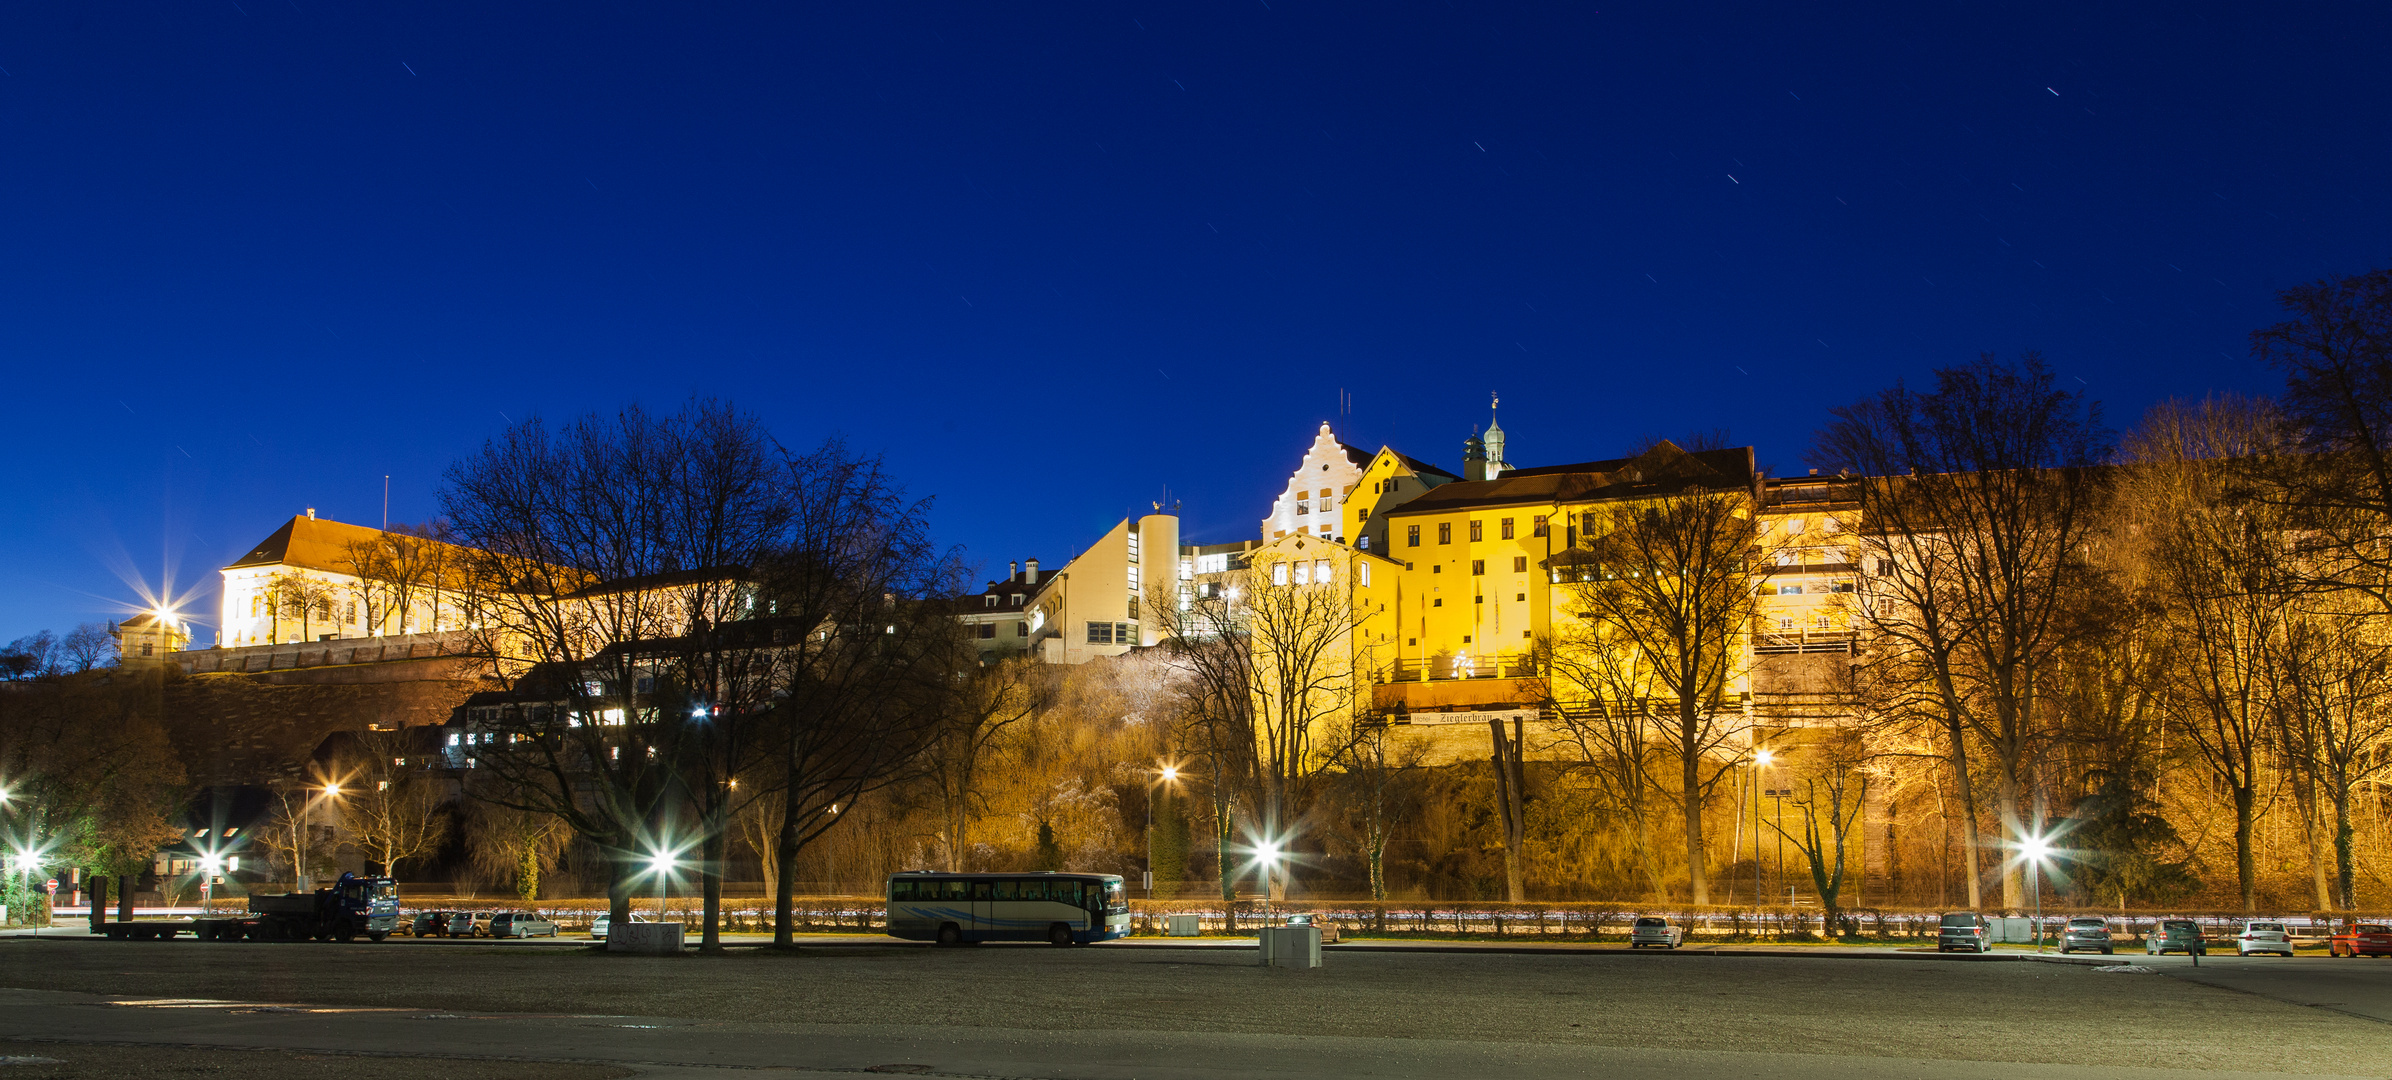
{"x":1136,"y":1010}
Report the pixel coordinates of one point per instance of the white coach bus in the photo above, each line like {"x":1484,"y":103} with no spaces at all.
{"x":1060,"y":909}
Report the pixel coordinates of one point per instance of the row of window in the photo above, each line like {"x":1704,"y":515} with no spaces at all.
{"x":1478,"y":530}
{"x":1111,"y":633}
{"x":989,"y":629}
{"x":958,"y":890}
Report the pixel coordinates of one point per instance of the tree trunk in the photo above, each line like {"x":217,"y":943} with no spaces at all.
{"x":1969,"y":838}
{"x":710,"y":882}
{"x":784,"y":898}
{"x":2014,"y":875}
{"x":1690,"y":765}
{"x":1507,"y":806}
{"x":2345,"y":870}
{"x":2246,"y":863}
{"x":2305,"y":793}
{"x":527,"y":873}
{"x":618,"y":890}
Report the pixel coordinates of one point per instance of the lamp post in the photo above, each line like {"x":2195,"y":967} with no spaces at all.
{"x":2035,"y":849}
{"x":1760,"y":761}
{"x":1169,"y":774}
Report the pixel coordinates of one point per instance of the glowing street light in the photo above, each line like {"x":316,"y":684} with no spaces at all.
{"x":2035,"y":849}
{"x":1168,"y":775}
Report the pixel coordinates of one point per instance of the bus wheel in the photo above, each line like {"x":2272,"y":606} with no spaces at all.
{"x":1059,"y":934}
{"x":950,"y":934}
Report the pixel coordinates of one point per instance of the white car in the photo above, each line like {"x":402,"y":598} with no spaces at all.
{"x":598,"y":925}
{"x":1656,"y":931}
{"x":2267,"y":937}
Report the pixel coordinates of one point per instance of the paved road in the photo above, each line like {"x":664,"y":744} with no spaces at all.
{"x":669,"y":1047}
{"x":2358,"y":987}
{"x":1113,"y":1012}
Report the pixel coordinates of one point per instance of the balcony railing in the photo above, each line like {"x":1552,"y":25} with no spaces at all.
{"x":1781,"y":642}
{"x":1436,"y":668}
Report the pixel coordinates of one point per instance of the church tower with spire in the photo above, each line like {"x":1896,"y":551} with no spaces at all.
{"x":1496,"y":465}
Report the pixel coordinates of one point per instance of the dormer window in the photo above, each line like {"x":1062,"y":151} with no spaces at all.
{"x":1017,"y":599}
{"x":991,"y":600}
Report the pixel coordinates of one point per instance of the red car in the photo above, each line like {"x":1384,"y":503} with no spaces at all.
{"x":2362,"y":939}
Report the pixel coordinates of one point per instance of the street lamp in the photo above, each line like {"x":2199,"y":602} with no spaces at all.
{"x":1760,"y":760}
{"x":1169,"y":774}
{"x":2035,"y":849}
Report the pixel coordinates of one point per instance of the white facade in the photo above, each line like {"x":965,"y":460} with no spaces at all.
{"x":1316,"y":492}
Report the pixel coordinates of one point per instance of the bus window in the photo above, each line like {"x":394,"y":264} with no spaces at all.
{"x":1006,"y":890}
{"x":980,"y":890}
{"x":1064,"y":891}
{"x":901,"y":890}
{"x":958,"y":889}
{"x":1034,"y":890}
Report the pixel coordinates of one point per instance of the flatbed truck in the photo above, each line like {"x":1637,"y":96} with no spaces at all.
{"x":353,"y":907}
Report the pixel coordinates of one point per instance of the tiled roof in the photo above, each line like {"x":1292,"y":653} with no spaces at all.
{"x":314,"y":543}
{"x":1661,"y":470}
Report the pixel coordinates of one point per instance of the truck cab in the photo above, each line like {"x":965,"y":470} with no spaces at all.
{"x":365,"y":905}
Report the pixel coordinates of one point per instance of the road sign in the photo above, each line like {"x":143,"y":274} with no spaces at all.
{"x":51,"y":885}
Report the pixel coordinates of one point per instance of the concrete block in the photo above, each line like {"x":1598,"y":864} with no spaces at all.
{"x":645,"y":938}
{"x":1290,"y":946}
{"x":1182,"y":926}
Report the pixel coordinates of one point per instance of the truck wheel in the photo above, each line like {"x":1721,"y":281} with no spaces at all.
{"x":376,"y":938}
{"x":345,"y":935}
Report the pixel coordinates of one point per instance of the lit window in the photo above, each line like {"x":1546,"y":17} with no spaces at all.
{"x":1789,"y":590}
{"x":1536,"y":525}
{"x":1478,"y":567}
{"x":1507,"y":528}
{"x":1785,"y":624}
{"x":1278,"y":573}
{"x":1478,"y":531}
{"x":1519,"y":564}
{"x":1445,"y":532}
{"x":1411,"y":536}
{"x":1320,"y":571}
{"x":1362,"y":574}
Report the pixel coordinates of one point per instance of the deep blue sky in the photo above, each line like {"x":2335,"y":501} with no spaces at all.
{"x":1054,"y":259}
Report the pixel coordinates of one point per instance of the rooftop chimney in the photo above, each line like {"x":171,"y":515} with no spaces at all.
{"x":311,"y":513}
{"x":1013,"y":571}
{"x":1029,"y":571}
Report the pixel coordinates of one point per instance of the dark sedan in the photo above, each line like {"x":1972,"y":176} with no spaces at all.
{"x":2088,"y":932}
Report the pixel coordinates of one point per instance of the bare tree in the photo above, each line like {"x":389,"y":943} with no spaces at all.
{"x":1598,"y":697}
{"x":580,"y":552}
{"x":1977,"y":500}
{"x":2220,"y":553}
{"x":1663,"y":584}
{"x":393,"y":806}
{"x":990,"y":701}
{"x":1377,"y":779}
{"x":1205,"y":638}
{"x":86,"y":647}
{"x":2334,"y":717}
{"x":2336,"y":354}
{"x":1834,"y":773}
{"x":866,"y":681}
{"x":1302,"y":633}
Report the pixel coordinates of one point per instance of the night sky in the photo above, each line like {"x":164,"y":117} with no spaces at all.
{"x":1057,"y":260}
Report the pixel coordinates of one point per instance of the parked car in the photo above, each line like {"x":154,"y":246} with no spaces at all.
{"x":2090,"y":932}
{"x":512,"y":924}
{"x":1964,"y":931}
{"x":1654,"y":930}
{"x":466,"y":923}
{"x":2361,"y":939}
{"x":598,"y":925}
{"x":2175,"y":935}
{"x":429,"y":924}
{"x":2267,"y":937}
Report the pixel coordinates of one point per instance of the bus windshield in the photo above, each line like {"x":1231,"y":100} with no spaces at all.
{"x":1117,"y":899}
